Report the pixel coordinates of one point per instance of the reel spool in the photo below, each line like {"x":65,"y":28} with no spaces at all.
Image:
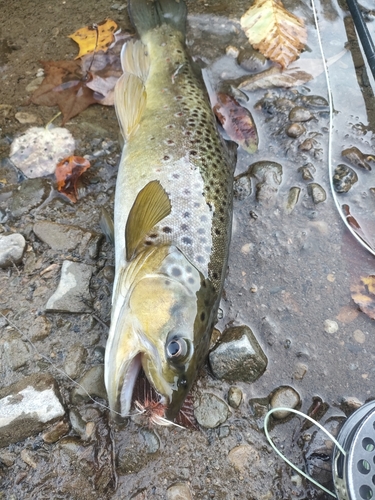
{"x":354,"y":472}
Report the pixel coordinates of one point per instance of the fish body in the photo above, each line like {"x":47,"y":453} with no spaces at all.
{"x":172,"y":218}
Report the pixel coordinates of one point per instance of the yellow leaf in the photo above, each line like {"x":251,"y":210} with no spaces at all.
{"x":95,"y":37}
{"x":277,"y":33}
{"x":363,"y":294}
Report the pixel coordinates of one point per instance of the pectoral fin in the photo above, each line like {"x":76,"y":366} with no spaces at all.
{"x":151,"y":205}
{"x":130,"y":102}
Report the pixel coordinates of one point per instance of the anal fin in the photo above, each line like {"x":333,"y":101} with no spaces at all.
{"x":151,"y":205}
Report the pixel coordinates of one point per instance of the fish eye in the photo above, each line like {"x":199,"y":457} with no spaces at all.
{"x":177,"y":348}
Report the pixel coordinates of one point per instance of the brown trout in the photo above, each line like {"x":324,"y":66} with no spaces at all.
{"x":173,"y":213}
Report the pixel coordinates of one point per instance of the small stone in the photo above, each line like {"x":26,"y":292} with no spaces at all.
{"x":34,"y":84}
{"x":27,"y":406}
{"x":23,"y":117}
{"x":152,"y":441}
{"x":179,"y":491}
{"x":65,"y":238}
{"x":14,"y":352}
{"x":331,"y":278}
{"x":300,"y":371}
{"x":232,"y":51}
{"x":223,"y":431}
{"x":77,"y":423}
{"x":292,"y":201}
{"x":284,"y":397}
{"x":317,"y":193}
{"x":12,"y":247}
{"x":241,"y":187}
{"x":30,"y":194}
{"x":344,"y":178}
{"x":238,"y":356}
{"x":330,"y":326}
{"x":92,"y":383}
{"x":350,"y":404}
{"x":40,"y":329}
{"x":28,"y":458}
{"x":295,"y":130}
{"x":7,"y":457}
{"x":73,"y":290}
{"x":307,"y":172}
{"x":300,"y":114}
{"x":74,"y":360}
{"x":359,"y":336}
{"x":243,"y":456}
{"x":211,"y":411}
{"x":234,"y":396}
{"x":55,"y":432}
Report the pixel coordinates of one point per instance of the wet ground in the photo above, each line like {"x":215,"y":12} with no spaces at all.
{"x":289,"y":272}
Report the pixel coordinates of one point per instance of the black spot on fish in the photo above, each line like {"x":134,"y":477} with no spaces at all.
{"x":191,"y":281}
{"x":203,"y":316}
{"x":187,"y":240}
{"x":184,"y":227}
{"x":201,"y":230}
{"x":215,"y":276}
{"x":166,"y":229}
{"x":166,"y":158}
{"x":193,"y":153}
{"x":218,"y":232}
{"x":188,"y":269}
{"x":153,"y":235}
{"x":176,"y":176}
{"x":176,"y":272}
{"x":186,"y":215}
{"x":200,"y":259}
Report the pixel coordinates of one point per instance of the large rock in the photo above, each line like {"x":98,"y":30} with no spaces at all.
{"x":238,"y":356}
{"x":27,"y":407}
{"x":64,"y":238}
{"x":12,"y":247}
{"x":72,"y":293}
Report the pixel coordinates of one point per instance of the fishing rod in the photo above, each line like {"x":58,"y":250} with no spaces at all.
{"x":363,"y":33}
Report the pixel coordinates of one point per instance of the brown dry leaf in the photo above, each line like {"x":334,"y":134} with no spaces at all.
{"x":237,"y":122}
{"x":363,"y":294}
{"x":357,"y":228}
{"x":95,"y":37}
{"x":67,"y":173}
{"x":277,"y":33}
{"x":66,"y":87}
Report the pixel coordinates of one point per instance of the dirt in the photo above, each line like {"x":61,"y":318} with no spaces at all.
{"x":288,"y":273}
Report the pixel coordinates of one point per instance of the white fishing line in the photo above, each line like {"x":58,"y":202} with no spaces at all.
{"x":330,"y":166}
{"x":288,"y":461}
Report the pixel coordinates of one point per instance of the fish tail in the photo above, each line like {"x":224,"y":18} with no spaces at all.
{"x":148,"y":14}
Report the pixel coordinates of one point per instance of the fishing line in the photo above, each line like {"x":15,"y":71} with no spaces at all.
{"x":330,"y":167}
{"x":309,"y":478}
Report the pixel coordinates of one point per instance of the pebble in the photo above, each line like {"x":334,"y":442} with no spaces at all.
{"x":356,"y":157}
{"x":23,"y":117}
{"x":252,"y":60}
{"x":30,"y":194}
{"x":234,"y":396}
{"x":28,"y":458}
{"x":14,"y":352}
{"x":344,"y":178}
{"x":292,"y":201}
{"x":269,"y":176}
{"x":40,"y":329}
{"x":179,"y":491}
{"x":300,"y":371}
{"x":152,"y":441}
{"x":359,"y":336}
{"x":350,"y":404}
{"x":243,"y":456}
{"x":307,"y":172}
{"x":34,"y":84}
{"x":77,"y":423}
{"x":238,"y":356}
{"x":65,"y":238}
{"x":300,"y":114}
{"x":92,"y":383}
{"x":241,"y":187}
{"x":55,"y":432}
{"x":317,"y":193}
{"x":27,"y":406}
{"x":295,"y":130}
{"x":285,"y":397}
{"x":73,"y":289}
{"x":232,"y":51}
{"x":7,"y":457}
{"x":211,"y":411}
{"x":74,"y":360}
{"x":12,"y":247}
{"x":330,"y":326}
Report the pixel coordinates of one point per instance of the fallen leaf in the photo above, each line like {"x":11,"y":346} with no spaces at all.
{"x":37,"y":151}
{"x":363,"y":294}
{"x":105,"y":69}
{"x":237,"y":122}
{"x":298,"y":73}
{"x":95,"y":37}
{"x":64,"y":86}
{"x":67,"y":173}
{"x":355,"y":156}
{"x":277,"y":33}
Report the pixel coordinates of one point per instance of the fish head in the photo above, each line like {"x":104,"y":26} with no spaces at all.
{"x":164,"y":327}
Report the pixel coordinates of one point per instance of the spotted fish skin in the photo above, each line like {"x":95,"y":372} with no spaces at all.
{"x":175,"y":142}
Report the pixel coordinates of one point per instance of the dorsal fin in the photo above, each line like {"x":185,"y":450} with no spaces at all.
{"x":135,"y":59}
{"x":151,"y":205}
{"x":130,"y":92}
{"x":130,"y":102}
